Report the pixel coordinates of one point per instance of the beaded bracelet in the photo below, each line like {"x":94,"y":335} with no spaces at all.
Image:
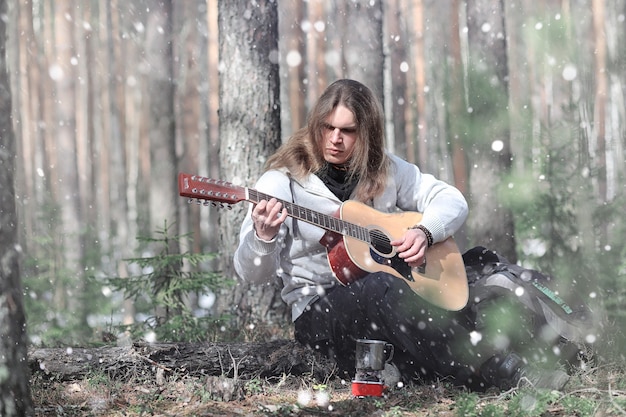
{"x":429,"y":236}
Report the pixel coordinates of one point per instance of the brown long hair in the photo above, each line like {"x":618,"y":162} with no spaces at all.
{"x":302,"y":154}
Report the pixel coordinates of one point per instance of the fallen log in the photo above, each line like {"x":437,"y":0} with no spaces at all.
{"x":158,"y":360}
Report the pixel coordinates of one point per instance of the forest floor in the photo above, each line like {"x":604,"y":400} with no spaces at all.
{"x":597,"y":392}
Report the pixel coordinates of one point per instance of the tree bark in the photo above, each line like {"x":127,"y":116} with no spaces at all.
{"x":232,"y":360}
{"x":249,"y":133}
{"x":15,"y":399}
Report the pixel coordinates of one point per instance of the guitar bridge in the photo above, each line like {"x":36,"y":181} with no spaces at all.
{"x":422,"y":268}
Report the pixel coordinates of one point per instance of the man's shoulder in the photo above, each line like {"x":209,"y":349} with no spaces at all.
{"x":272,"y":180}
{"x":399,"y":161}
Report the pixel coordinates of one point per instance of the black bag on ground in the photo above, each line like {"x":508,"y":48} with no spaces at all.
{"x":550,"y":322}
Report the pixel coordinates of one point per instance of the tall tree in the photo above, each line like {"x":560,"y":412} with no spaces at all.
{"x":601,"y":78}
{"x":66,"y":189}
{"x":211,"y":103}
{"x":292,"y":45}
{"x":190,"y":72}
{"x":395,"y":79}
{"x":428,"y":73}
{"x":456,"y":106}
{"x":249,"y":130}
{"x":316,"y":51}
{"x":115,"y":137}
{"x":419,"y":68}
{"x":490,"y":222}
{"x":21,"y":107}
{"x":161,"y":122}
{"x":455,"y":101}
{"x":361,"y":50}
{"x":15,"y":399}
{"x":119,"y":218}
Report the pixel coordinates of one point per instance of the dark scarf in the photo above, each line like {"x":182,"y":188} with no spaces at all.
{"x":337,"y":179}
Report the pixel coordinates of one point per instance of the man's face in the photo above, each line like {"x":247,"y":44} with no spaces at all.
{"x":340,"y":135}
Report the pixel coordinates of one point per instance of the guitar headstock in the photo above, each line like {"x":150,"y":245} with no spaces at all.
{"x":208,"y":189}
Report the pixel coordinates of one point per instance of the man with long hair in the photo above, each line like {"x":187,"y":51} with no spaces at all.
{"x":340,"y":156}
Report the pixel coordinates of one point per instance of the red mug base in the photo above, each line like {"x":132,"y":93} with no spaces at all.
{"x":367,"y":389}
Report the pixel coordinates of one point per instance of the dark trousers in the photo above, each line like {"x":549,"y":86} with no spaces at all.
{"x":429,"y":342}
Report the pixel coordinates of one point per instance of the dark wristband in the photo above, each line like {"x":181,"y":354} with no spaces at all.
{"x":429,"y":236}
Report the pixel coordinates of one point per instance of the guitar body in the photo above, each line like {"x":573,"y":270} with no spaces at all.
{"x":442,"y":280}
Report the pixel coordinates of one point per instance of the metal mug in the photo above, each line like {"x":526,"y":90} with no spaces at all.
{"x":370,"y":354}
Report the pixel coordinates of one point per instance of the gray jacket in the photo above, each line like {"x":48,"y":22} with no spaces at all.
{"x":296,"y":254}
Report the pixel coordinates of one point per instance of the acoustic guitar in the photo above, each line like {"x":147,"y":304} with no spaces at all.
{"x":357,"y":240}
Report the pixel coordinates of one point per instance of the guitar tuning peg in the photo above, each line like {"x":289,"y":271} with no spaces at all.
{"x":214,"y":204}
{"x":229,"y":207}
{"x":190,"y":200}
{"x":198,"y":201}
{"x":205,"y":203}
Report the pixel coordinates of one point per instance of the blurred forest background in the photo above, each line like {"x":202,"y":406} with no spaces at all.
{"x":520,"y":104}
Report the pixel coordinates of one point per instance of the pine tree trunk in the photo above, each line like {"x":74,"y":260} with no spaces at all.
{"x":164,"y":196}
{"x":395,"y":79}
{"x":67,"y":194}
{"x":456,"y":106}
{"x":601,"y":92}
{"x":15,"y":399}
{"x":249,"y":133}
{"x":362,"y":58}
{"x":316,"y":49}
{"x":292,"y":43}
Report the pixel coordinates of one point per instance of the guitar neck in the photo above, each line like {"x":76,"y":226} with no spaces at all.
{"x":313,"y":217}
{"x":208,"y":189}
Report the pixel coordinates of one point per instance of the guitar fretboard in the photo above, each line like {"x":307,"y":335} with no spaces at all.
{"x":324,"y":221}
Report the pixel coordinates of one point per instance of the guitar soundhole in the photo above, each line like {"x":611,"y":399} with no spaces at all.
{"x":380,"y":242}
{"x":383,"y":253}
